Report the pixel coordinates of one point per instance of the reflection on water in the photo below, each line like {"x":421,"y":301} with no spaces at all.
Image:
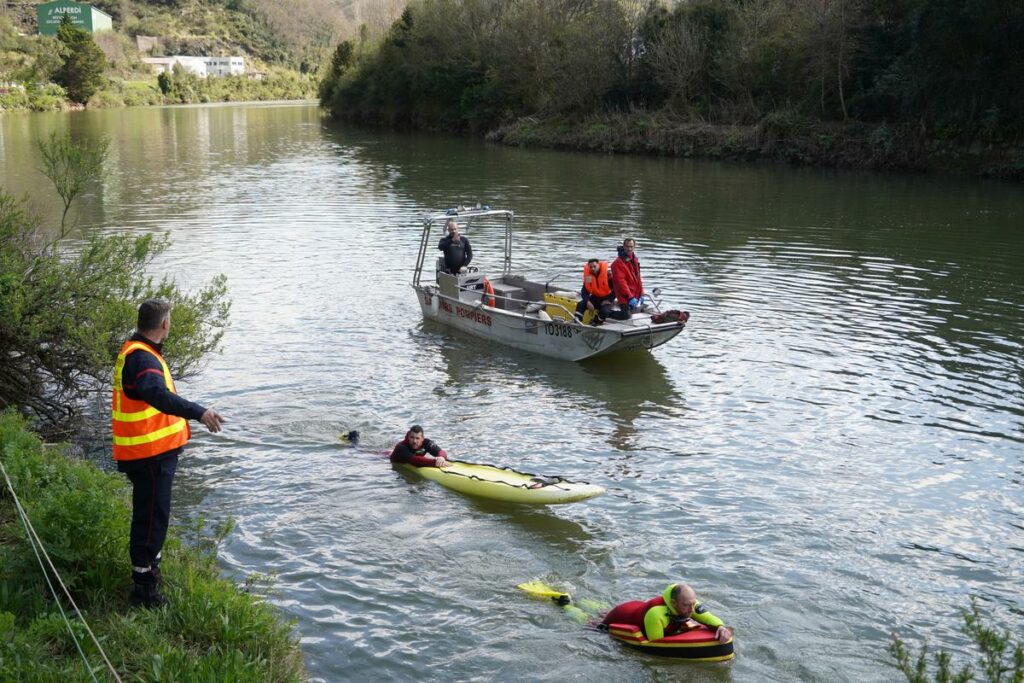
{"x":837,"y":433}
{"x":541,"y":523}
{"x":621,"y":387}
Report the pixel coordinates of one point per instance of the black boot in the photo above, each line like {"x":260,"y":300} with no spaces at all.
{"x":154,"y":569}
{"x":145,"y":592}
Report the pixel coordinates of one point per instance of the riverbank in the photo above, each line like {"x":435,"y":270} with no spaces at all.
{"x":777,"y":138}
{"x":934,"y":86}
{"x":212,"y":630}
{"x":182,"y":89}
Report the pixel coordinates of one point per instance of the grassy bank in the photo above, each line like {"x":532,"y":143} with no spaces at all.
{"x":183,"y":89}
{"x":777,"y":138}
{"x":212,"y":630}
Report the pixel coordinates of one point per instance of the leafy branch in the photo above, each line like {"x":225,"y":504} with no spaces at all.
{"x":70,"y":166}
{"x":1002,"y":657}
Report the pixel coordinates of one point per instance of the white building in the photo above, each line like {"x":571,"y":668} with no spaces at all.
{"x":224,"y":66}
{"x":199,"y":66}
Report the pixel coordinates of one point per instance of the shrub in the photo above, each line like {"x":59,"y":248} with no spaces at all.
{"x":65,"y":310}
{"x":1002,"y":655}
{"x":50,"y":97}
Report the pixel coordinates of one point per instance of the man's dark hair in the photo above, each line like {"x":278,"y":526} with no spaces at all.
{"x":415,"y":429}
{"x":627,"y":240}
{"x":593,"y":260}
{"x":151,"y":313}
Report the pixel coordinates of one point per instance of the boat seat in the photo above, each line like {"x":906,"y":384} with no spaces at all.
{"x":533,"y":291}
{"x":504,"y":292}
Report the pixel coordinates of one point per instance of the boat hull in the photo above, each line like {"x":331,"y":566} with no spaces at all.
{"x":507,"y":485}
{"x":553,"y":338}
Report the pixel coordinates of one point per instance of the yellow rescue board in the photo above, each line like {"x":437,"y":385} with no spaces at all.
{"x":508,"y":485}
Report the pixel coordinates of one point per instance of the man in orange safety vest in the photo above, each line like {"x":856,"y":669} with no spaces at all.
{"x":150,"y":425}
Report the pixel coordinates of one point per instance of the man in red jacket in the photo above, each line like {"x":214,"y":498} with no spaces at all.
{"x":626,"y":280}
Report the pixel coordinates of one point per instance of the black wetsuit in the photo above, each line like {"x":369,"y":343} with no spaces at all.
{"x":404,"y":453}
{"x":456,"y":254}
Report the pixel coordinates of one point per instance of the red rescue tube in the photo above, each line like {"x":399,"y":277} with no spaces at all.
{"x":697,"y":644}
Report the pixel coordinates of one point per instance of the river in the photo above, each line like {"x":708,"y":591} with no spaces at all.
{"x":831,"y":451}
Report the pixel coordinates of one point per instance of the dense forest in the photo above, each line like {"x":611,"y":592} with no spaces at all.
{"x":923,"y":69}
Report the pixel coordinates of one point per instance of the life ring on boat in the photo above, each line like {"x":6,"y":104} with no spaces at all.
{"x":489,"y":294}
{"x":696,"y":644}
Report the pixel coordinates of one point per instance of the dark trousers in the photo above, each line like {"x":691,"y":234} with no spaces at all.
{"x":602,"y":304}
{"x":151,"y":508}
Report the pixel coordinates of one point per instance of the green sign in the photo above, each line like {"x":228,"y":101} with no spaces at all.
{"x":85,"y":17}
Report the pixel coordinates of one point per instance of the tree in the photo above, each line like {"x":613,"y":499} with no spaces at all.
{"x":1002,"y":656}
{"x":46,"y":55}
{"x":341,"y":60}
{"x":70,"y":166}
{"x":66,"y":308}
{"x":82,"y":71}
{"x":688,"y":56}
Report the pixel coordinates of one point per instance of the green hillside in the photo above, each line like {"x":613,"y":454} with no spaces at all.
{"x":284,"y":45}
{"x":293,"y":34}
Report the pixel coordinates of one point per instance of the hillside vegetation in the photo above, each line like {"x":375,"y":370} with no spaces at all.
{"x":882,"y":76}
{"x":287,"y":42}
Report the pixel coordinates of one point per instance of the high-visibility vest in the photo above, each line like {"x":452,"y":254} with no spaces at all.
{"x":140,"y":430}
{"x":597,"y":285}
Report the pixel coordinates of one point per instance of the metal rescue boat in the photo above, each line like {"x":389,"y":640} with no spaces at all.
{"x":526,"y":314}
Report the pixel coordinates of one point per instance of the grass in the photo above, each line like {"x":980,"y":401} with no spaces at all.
{"x":213,"y":631}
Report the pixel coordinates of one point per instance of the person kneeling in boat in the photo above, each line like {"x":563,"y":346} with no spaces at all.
{"x":667,"y":614}
{"x":419,"y":451}
{"x":596,"y":293}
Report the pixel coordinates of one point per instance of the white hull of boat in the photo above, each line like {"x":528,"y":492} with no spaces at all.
{"x":553,"y":338}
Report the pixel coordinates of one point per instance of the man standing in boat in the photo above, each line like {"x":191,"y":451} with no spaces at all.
{"x":626,"y":280}
{"x":457,"y":251}
{"x":419,"y":451}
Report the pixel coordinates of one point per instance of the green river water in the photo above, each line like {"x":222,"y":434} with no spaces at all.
{"x":831,"y":451}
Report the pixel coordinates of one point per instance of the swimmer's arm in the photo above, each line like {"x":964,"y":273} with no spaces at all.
{"x":655,"y":622}
{"x":703,"y":616}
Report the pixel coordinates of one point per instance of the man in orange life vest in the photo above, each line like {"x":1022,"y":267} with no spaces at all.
{"x":667,"y":614}
{"x":150,"y":424}
{"x":596,"y":293}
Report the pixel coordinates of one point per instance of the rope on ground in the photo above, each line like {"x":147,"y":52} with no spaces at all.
{"x":37,"y":546}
